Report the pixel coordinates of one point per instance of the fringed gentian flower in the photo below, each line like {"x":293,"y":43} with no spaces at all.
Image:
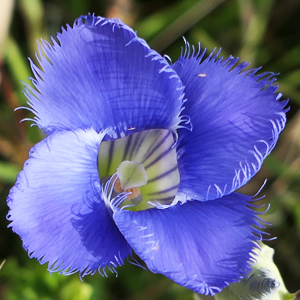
{"x":263,"y":283}
{"x":145,"y":156}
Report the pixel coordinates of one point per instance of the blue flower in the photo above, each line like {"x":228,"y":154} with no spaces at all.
{"x":145,"y":156}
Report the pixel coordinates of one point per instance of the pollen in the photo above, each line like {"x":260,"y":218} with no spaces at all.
{"x":201,"y":75}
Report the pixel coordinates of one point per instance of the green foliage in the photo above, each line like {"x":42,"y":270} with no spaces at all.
{"x":8,"y":172}
{"x":33,"y":282}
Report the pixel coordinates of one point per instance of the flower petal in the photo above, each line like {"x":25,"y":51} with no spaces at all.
{"x":102,"y":75}
{"x":203,"y":246}
{"x":57,"y":210}
{"x":236,"y":118}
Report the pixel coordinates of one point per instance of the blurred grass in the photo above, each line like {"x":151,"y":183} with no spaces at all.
{"x":18,"y":65}
{"x":263,"y":32}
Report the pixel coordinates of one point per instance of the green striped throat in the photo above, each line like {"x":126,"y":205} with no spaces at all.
{"x":144,"y":165}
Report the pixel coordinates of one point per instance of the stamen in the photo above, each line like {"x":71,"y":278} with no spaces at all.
{"x":134,"y":191}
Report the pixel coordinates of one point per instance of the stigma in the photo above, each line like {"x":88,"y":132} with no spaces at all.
{"x":131,"y":175}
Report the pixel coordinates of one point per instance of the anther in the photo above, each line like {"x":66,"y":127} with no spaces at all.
{"x":135,"y":191}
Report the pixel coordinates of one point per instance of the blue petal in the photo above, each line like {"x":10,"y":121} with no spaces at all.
{"x":203,"y":246}
{"x":236,"y":117}
{"x":100,"y":74}
{"x":57,"y":209}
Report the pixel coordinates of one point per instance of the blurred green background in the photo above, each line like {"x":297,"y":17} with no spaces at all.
{"x":263,"y":32}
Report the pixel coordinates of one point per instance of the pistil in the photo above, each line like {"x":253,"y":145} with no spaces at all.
{"x":131,"y":175}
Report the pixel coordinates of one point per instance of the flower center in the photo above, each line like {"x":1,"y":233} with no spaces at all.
{"x":141,"y":169}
